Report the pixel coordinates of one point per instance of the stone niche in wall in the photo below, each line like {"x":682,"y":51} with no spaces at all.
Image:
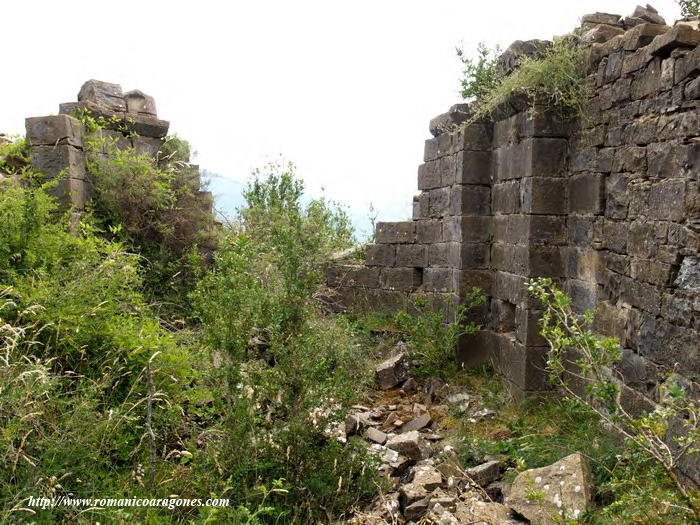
{"x":609,"y":207}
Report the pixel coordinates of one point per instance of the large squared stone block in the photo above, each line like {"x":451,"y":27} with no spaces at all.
{"x":429,"y":231}
{"x":54,"y":130}
{"x":380,"y":254}
{"x":429,"y":175}
{"x":472,"y":167}
{"x":546,"y":230}
{"x":140,"y":103}
{"x":470,"y":200}
{"x":440,"y":254}
{"x":104,"y":94}
{"x":437,"y":280}
{"x":524,"y":366}
{"x":680,"y":36}
{"x":506,"y":197}
{"x":471,"y":228}
{"x":527,"y":326}
{"x":511,"y":229}
{"x":440,"y":201}
{"x":667,"y":200}
{"x":543,"y":196}
{"x":510,"y":258}
{"x":412,"y":255}
{"x":464,"y":280}
{"x":587,"y":194}
{"x":396,"y":232}
{"x":544,"y":157}
{"x":53,"y":161}
{"x":470,"y":255}
{"x":146,"y":145}
{"x":403,"y":279}
{"x":509,"y":287}
{"x":71,"y":192}
{"x":474,"y":137}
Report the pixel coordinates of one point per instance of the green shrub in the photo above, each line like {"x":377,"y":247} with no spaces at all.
{"x":289,"y":369}
{"x":689,"y":7}
{"x":431,"y":340}
{"x":479,"y":75}
{"x":580,"y":363}
{"x":555,"y":80}
{"x":153,"y":204}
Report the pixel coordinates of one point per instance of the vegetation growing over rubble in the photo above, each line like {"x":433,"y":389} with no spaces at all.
{"x":580,"y":363}
{"x":100,"y":396}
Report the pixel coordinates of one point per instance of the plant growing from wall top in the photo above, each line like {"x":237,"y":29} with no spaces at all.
{"x":582,"y":364}
{"x":554,"y":79}
{"x":479,"y":74}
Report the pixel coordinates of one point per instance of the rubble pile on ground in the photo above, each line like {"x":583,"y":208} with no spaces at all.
{"x":429,"y":484}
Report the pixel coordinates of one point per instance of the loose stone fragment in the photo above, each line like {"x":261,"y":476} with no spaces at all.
{"x":485,"y":473}
{"x":416,"y":424}
{"x":376,"y":435}
{"x":411,"y":445}
{"x":546,"y":495}
{"x":394,"y":370}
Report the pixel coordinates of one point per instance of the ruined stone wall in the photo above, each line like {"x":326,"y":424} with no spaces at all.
{"x":609,"y":206}
{"x":56,"y":141}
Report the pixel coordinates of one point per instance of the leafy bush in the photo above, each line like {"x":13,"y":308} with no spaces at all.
{"x":432,"y":340}
{"x":479,"y":75}
{"x":288,"y":368}
{"x":153,"y":204}
{"x":581,"y":363}
{"x":689,"y":7}
{"x":556,"y":80}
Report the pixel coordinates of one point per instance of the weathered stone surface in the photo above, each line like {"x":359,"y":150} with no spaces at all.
{"x":54,"y":130}
{"x":601,"y":34}
{"x":485,"y":473}
{"x":680,"y":36}
{"x":147,"y":145}
{"x":648,"y":14}
{"x":53,"y":161}
{"x":418,"y":423}
{"x":410,"y":445}
{"x":380,"y":254}
{"x":104,"y":94}
{"x":376,"y":435}
{"x":446,"y":122}
{"x":404,"y":279}
{"x":511,"y":57}
{"x":394,"y":370}
{"x":482,"y":513}
{"x":140,"y":103}
{"x":426,"y":476}
{"x":412,"y":255}
{"x":601,"y":18}
{"x":548,"y":494}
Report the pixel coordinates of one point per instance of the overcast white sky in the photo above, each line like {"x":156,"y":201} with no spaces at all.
{"x":343,"y":89}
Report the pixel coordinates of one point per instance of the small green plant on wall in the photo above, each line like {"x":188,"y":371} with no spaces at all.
{"x":479,"y":74}
{"x":582,"y":363}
